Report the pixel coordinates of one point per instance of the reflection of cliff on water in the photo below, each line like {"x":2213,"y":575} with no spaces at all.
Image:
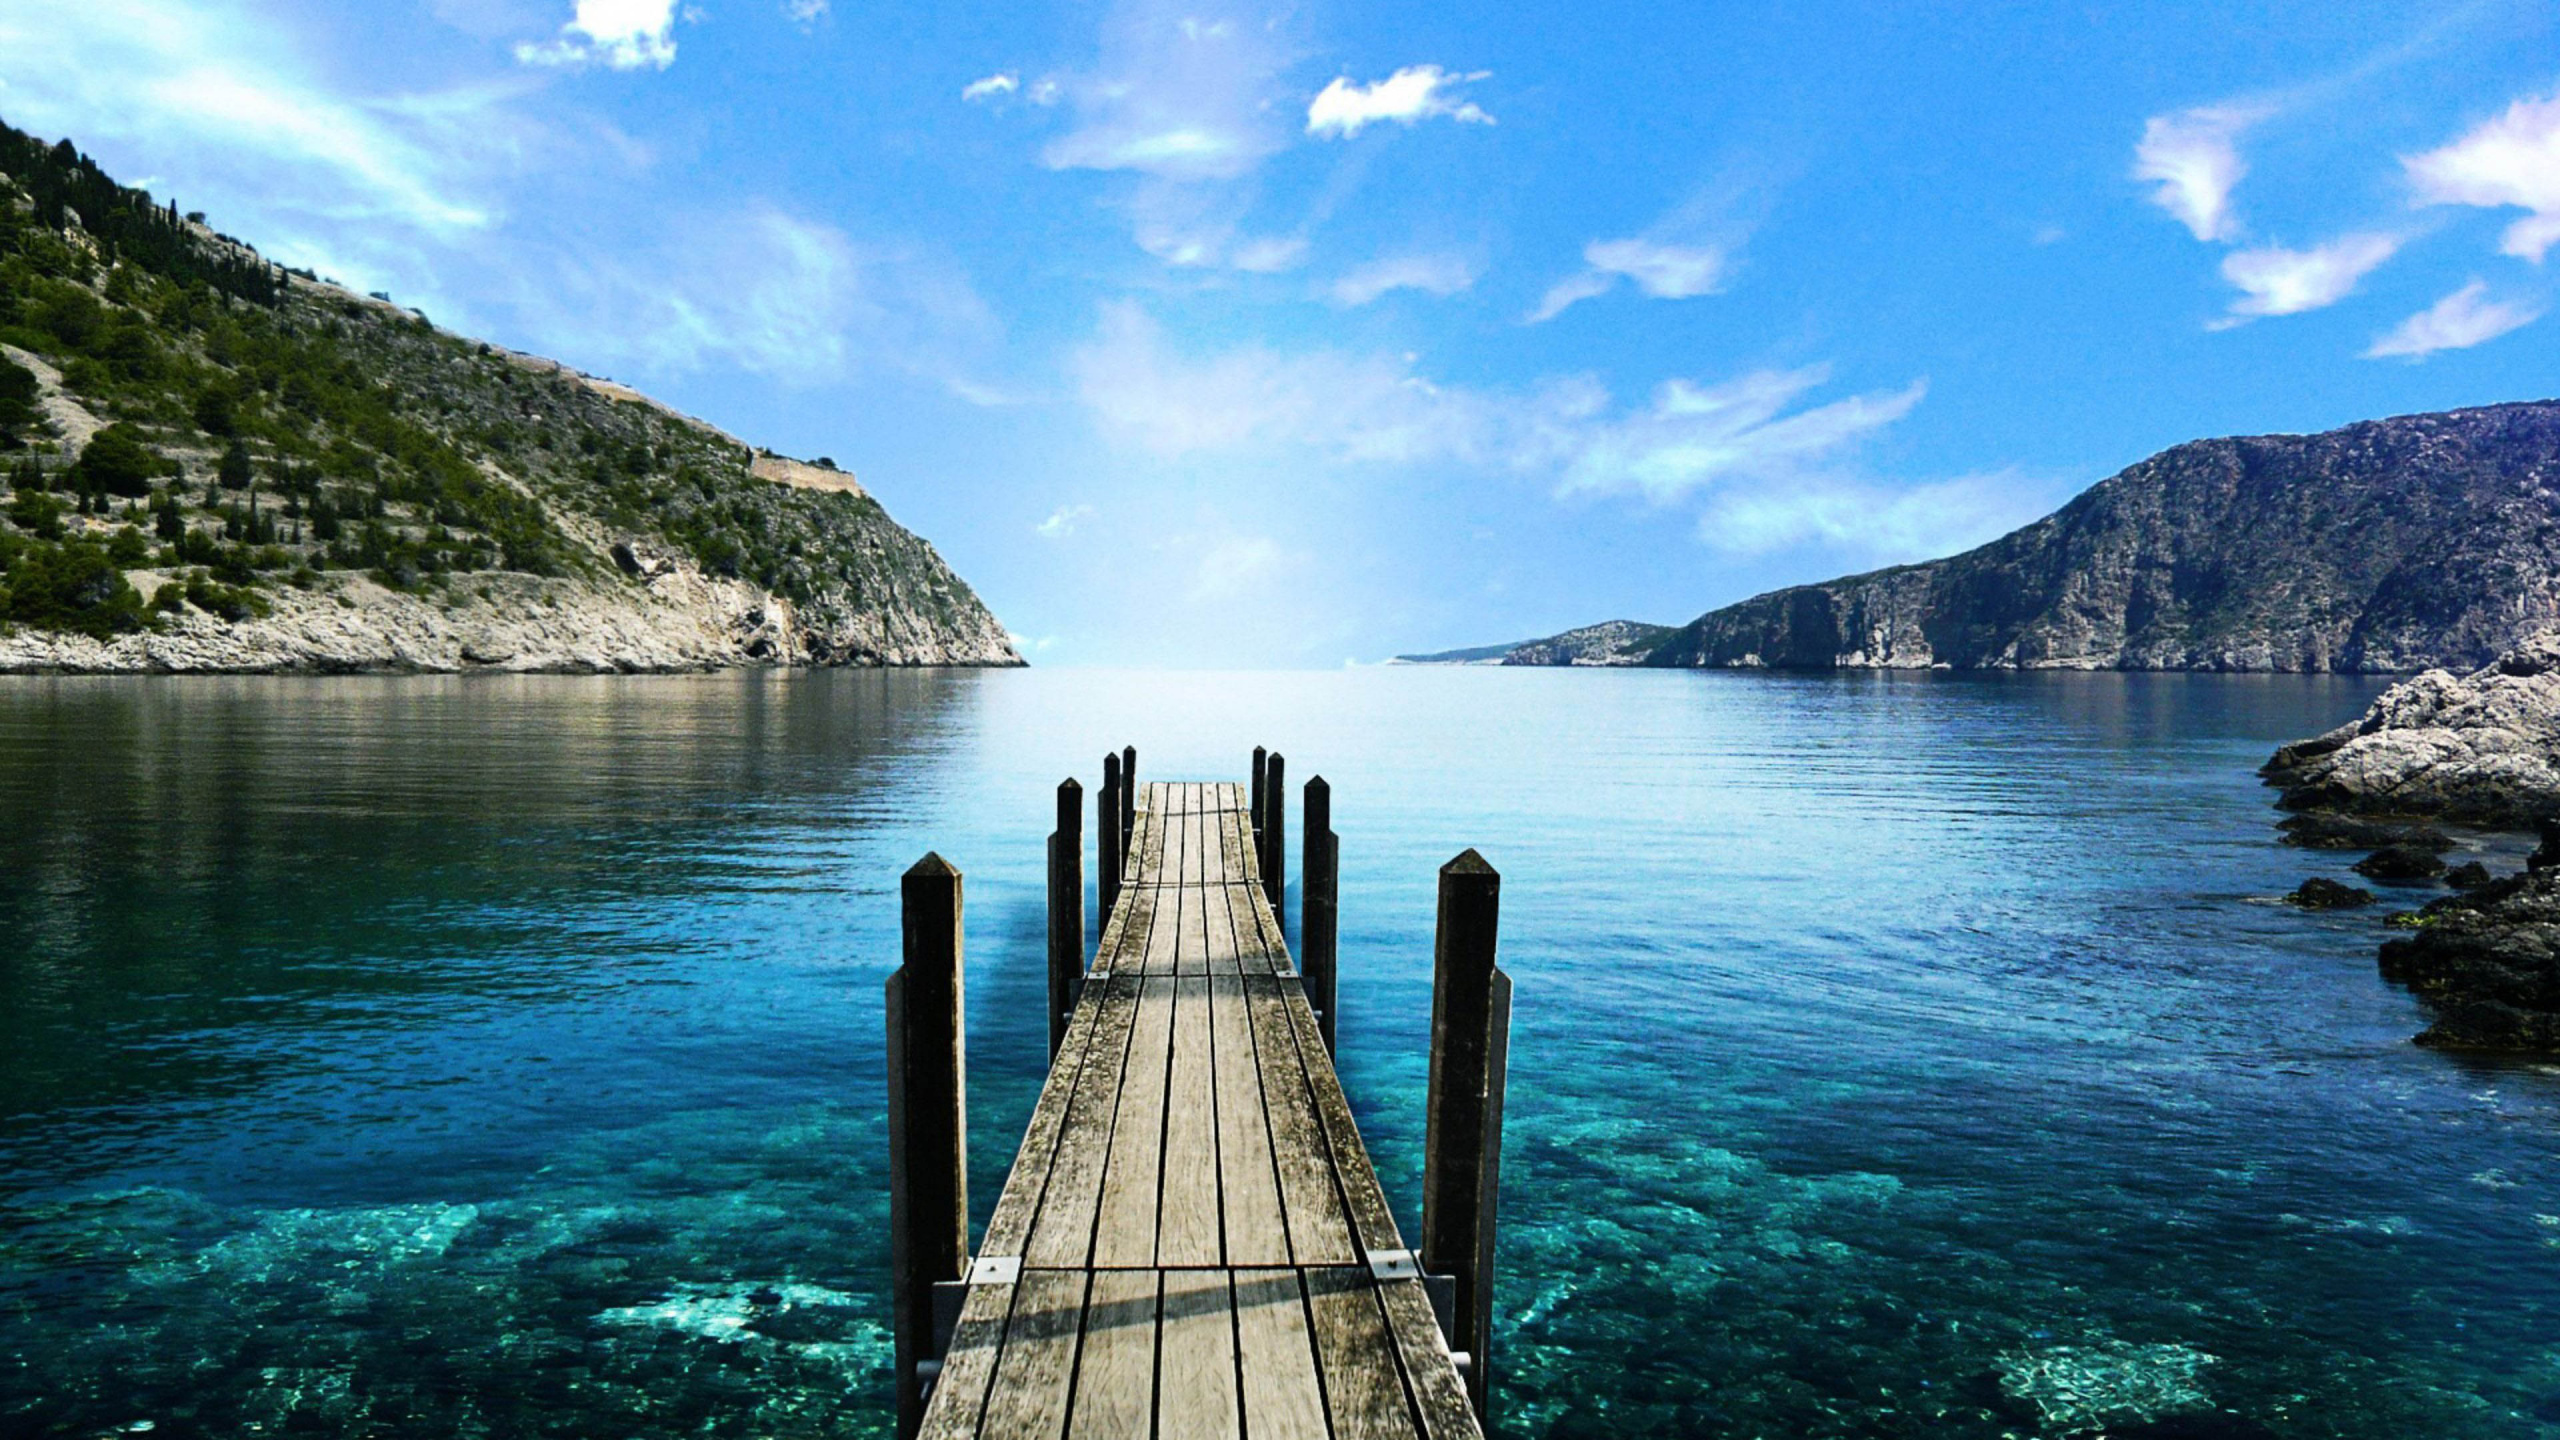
{"x":207,"y":883}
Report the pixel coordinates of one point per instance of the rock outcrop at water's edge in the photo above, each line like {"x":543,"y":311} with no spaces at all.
{"x":2481,"y":749}
{"x":2487,"y":962}
{"x":2383,"y":547}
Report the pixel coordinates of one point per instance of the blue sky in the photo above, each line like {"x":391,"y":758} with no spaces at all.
{"x":1198,"y":333}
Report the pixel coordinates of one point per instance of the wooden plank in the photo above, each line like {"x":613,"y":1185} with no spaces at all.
{"x":1438,"y":1391}
{"x":1029,"y":1398}
{"x":1116,"y":1370}
{"x":1125,"y":1226}
{"x":1319,"y":1230}
{"x":1283,"y":1400}
{"x":1196,"y":1357}
{"x":1363,"y":1385}
{"x":1164,"y":941}
{"x":1257,"y":1233}
{"x":1187,"y":1222}
{"x":1009,"y":1229}
{"x":1062,"y":1230}
{"x":960,"y":1396}
{"x":1363,"y":1203}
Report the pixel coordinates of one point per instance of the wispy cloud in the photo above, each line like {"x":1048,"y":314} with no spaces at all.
{"x":1880,"y":524}
{"x":1177,"y":96}
{"x":1415,"y":93}
{"x":620,"y":34}
{"x":2277,"y":281}
{"x":804,"y":13}
{"x":2193,"y":162}
{"x":2511,"y":161}
{"x":225,"y":100}
{"x":1003,"y":83}
{"x":1062,"y":522}
{"x":2465,"y":318}
{"x":1431,"y":274}
{"x":1661,"y":269}
{"x":1690,"y":437}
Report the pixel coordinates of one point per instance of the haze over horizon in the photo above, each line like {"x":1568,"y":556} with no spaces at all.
{"x":1219,"y":334}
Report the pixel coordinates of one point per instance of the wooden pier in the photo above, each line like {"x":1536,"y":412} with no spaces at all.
{"x":1192,"y":1242}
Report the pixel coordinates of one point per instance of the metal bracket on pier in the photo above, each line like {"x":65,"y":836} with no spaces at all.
{"x":1387,"y":1265}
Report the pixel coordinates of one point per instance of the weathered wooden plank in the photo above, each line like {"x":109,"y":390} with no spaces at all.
{"x":1164,"y":940}
{"x":1187,"y":1222}
{"x":1363,"y":1384}
{"x":960,"y":1395}
{"x":1116,"y":1370}
{"x":1028,"y":1400}
{"x":1125,"y":1227}
{"x":1257,"y":1233}
{"x":1283,"y":1400}
{"x":1062,"y":1228}
{"x":1196,"y":1357}
{"x":1363,"y":1203}
{"x":1319,"y":1230}
{"x":1438,"y":1392}
{"x":1009,"y":1229}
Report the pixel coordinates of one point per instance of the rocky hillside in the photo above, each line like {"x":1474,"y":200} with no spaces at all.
{"x":2392,"y":545}
{"x":1611,"y":642}
{"x":213,"y":463}
{"x":2482,"y":749}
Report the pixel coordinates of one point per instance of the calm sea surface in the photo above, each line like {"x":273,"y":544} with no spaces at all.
{"x":1893,"y":1057}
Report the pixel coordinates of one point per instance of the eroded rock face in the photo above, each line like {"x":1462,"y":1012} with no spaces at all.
{"x":2391,"y":545}
{"x":2482,"y":748}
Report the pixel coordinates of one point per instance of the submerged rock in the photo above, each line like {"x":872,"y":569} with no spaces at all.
{"x":2348,"y":832}
{"x":2323,"y":894}
{"x":2487,"y":962}
{"x":2400,"y":862}
{"x":2482,"y":748}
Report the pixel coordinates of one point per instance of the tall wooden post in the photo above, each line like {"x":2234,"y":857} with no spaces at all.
{"x":1462,"y":1142}
{"x":928,"y":1121}
{"x":1066,"y":911}
{"x":1319,"y":916}
{"x":1128,"y":797}
{"x":1106,"y":837}
{"x":1260,"y":759}
{"x":1275,"y":839}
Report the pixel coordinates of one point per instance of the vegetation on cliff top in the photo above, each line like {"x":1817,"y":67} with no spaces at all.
{"x":185,"y":414}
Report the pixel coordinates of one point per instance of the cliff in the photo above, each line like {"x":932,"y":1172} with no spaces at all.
{"x":2387,"y":546}
{"x":213,"y":463}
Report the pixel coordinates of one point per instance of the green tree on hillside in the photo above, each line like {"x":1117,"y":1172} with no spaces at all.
{"x":18,"y":394}
{"x":115,"y":462}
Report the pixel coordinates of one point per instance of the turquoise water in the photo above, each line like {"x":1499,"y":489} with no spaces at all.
{"x":1893,"y":1056}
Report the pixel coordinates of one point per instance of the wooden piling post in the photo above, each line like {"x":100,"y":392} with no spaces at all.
{"x":1260,"y":759}
{"x":1106,"y":837}
{"x":1319,"y":915}
{"x":1066,"y":911}
{"x":1462,"y":1144}
{"x":928,"y":1121}
{"x":1275,"y":839}
{"x":1128,"y":797}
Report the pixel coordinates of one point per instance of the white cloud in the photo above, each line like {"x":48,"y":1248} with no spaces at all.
{"x":2513,"y":160}
{"x":621,"y":34}
{"x":804,"y":13}
{"x":1269,"y":254}
{"x":2465,"y":318}
{"x":1431,"y":274}
{"x":2193,"y":163}
{"x":1176,"y":97}
{"x":1004,"y":83}
{"x":223,"y":101}
{"x":1880,"y":524}
{"x":774,"y":295}
{"x":1359,"y":408}
{"x":2278,"y":281}
{"x":1746,"y":428}
{"x":1062,"y":522}
{"x":1660,"y":268}
{"x":1414,"y":93}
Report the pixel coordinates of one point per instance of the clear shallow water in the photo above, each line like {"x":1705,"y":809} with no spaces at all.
{"x":1893,"y":1056}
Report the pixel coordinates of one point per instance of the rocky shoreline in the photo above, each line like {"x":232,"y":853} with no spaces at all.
{"x":2481,"y":750}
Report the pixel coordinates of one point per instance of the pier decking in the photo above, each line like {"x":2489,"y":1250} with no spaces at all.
{"x":1192,"y":1242}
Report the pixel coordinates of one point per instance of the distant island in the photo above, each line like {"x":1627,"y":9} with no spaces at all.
{"x":213,"y":463}
{"x":2384,"y":547}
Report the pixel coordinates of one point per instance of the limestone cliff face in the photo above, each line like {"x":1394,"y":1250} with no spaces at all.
{"x":2392,"y":545}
